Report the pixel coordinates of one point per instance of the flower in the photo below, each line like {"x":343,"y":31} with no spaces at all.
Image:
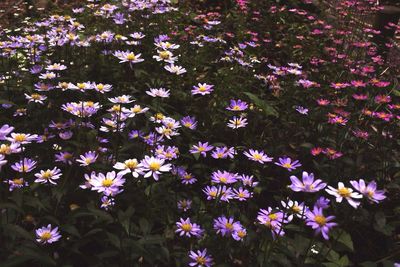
{"x":319,"y":222}
{"x":201,"y":148}
{"x":185,"y":227}
{"x":369,"y":191}
{"x":200,"y":258}
{"x":273,"y":220}
{"x":128,"y":56}
{"x":307,"y":185}
{"x":48,"y":176}
{"x":16,"y":183}
{"x":178,"y":70}
{"x":295,"y":208}
{"x":154,"y":166}
{"x":344,"y":192}
{"x":189,"y":122}
{"x":237,"y":105}
{"x":24,"y":165}
{"x":202,"y":89}
{"x":129,"y":165}
{"x":302,"y":110}
{"x":223,"y":152}
{"x":236,"y":123}
{"x":242,"y":194}
{"x":223,"y":177}
{"x":226,"y":226}
{"x":21,"y":138}
{"x":87,"y":158}
{"x":160,"y":92}
{"x":288,"y":164}
{"x":108,"y":184}
{"x":184,"y":204}
{"x":258,"y":156}
{"x":47,"y":235}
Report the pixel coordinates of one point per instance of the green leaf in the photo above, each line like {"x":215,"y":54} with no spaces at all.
{"x":268,"y":109}
{"x":345,"y":239}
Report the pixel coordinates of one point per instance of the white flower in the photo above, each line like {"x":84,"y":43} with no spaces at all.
{"x":344,"y":192}
{"x":129,"y":166}
{"x":154,"y":166}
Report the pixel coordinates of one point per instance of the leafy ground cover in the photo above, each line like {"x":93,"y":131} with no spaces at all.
{"x":158,"y":133}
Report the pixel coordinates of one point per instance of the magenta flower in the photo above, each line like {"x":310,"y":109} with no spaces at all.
{"x":288,"y":164}
{"x":319,"y":222}
{"x":307,"y":185}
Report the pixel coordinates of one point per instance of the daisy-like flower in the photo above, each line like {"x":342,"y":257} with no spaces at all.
{"x":22,"y":138}
{"x":47,"y":235}
{"x":16,"y":183}
{"x":184,"y":204}
{"x":202,"y":89}
{"x":242,"y":194}
{"x":108,"y":184}
{"x":36,"y":98}
{"x":223,"y":152}
{"x":307,"y":185}
{"x":189,"y":122}
{"x":201,"y":148}
{"x":48,"y":176}
{"x":200,"y":258}
{"x":319,"y":222}
{"x":258,"y":156}
{"x":273,"y":220}
{"x":87,"y":158}
{"x":128,"y":56}
{"x":302,"y":110}
{"x":166,"y":56}
{"x":25,"y":165}
{"x":187,"y":178}
{"x":152,"y":166}
{"x":248,"y":180}
{"x":102,"y":88}
{"x":107,"y":202}
{"x":187,"y":228}
{"x":178,"y":70}
{"x":160,"y":92}
{"x":223,"y":177}
{"x":346,"y":193}
{"x":236,"y":122}
{"x":64,"y":157}
{"x":295,"y":208}
{"x":288,"y":164}
{"x":369,"y":190}
{"x":237,"y":105}
{"x":226,"y":226}
{"x":129,"y":166}
{"x":56,"y":66}
{"x":123,"y":99}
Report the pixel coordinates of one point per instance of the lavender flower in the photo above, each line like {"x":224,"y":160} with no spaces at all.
{"x":200,"y":258}
{"x":319,"y":222}
{"x":307,"y":185}
{"x":369,"y":191}
{"x":47,"y":235}
{"x":187,"y":228}
{"x":288,"y":164}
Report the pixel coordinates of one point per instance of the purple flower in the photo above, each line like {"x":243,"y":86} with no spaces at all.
{"x":273,"y":220}
{"x":202,"y":89}
{"x":242,"y":194}
{"x":237,"y":105}
{"x":302,"y":110}
{"x":223,"y":177}
{"x":187,"y":228}
{"x":287,"y":163}
{"x":307,"y":185}
{"x":201,"y":148}
{"x":189,"y":122}
{"x":226,"y":226}
{"x":184,"y":204}
{"x":47,"y":235}
{"x":369,"y":191}
{"x":25,"y":165}
{"x":87,"y":158}
{"x":322,"y":203}
{"x":200,"y":258}
{"x":152,"y":166}
{"x":319,"y":222}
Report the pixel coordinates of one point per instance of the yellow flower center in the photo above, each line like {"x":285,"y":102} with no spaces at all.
{"x":131,"y":164}
{"x":241,"y":234}
{"x":18,"y":181}
{"x":201,"y":260}
{"x":107,"y":182}
{"x":202,"y":88}
{"x":45,"y":236}
{"x":257,"y":156}
{"x":287,"y":165}
{"x":20,"y":137}
{"x":344,"y":192}
{"x":371,"y":193}
{"x":164,"y":55}
{"x":229,"y":226}
{"x":5,"y":149}
{"x":321,"y":220}
{"x":186,"y":227}
{"x":131,"y":57}
{"x":47,"y":174}
{"x":273,"y":216}
{"x":35,"y":96}
{"x":154,"y":166}
{"x":296,"y":209}
{"x":223,"y":179}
